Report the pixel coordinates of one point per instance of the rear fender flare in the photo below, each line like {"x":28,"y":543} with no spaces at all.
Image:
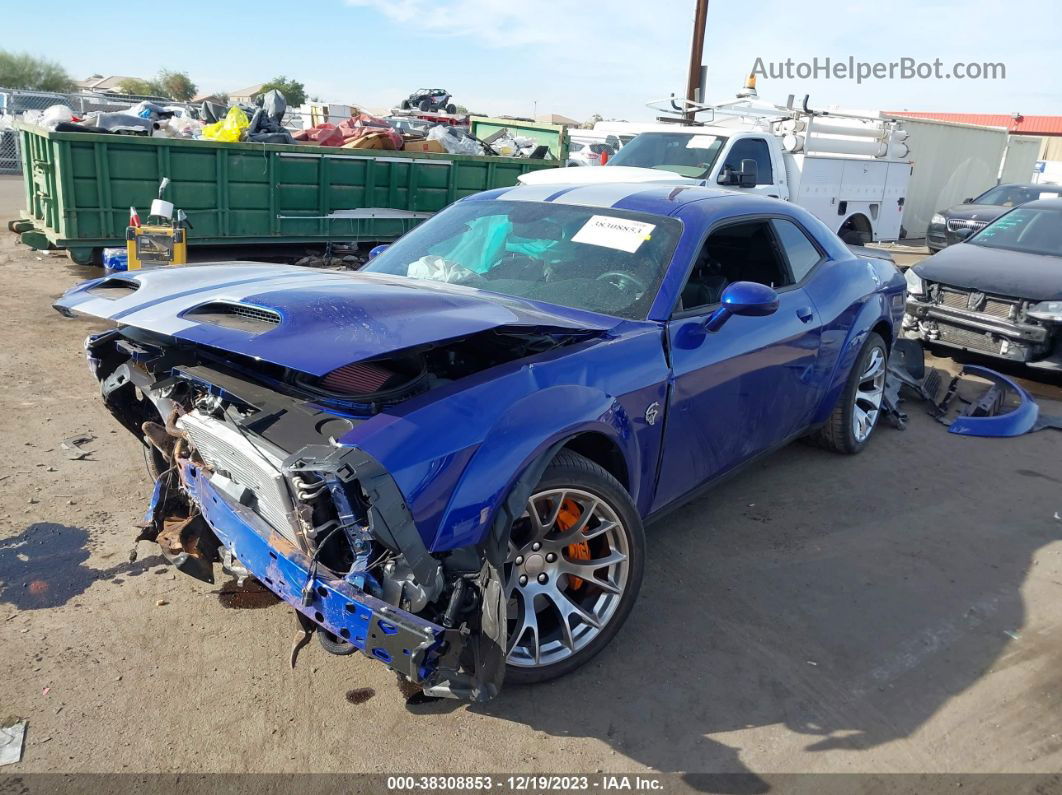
{"x":517,"y":450}
{"x":874,"y":310}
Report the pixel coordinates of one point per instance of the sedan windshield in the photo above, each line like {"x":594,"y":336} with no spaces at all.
{"x":1013,"y":195}
{"x":688,"y":154}
{"x":1036,"y":231}
{"x":607,"y":261}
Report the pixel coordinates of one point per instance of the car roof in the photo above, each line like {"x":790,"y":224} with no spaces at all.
{"x":648,"y":197}
{"x":1048,"y":186}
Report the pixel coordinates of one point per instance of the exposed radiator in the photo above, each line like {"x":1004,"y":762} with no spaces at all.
{"x":228,"y":452}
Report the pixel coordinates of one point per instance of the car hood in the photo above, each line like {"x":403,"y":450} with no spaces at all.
{"x":580,"y":175}
{"x":1037,"y":277}
{"x":326,"y":318}
{"x":975,"y":212}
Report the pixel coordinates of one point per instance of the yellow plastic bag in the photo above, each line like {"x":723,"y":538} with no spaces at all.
{"x":230,"y":129}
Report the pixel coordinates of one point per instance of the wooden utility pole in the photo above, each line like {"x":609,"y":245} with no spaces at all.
{"x":693,"y":81}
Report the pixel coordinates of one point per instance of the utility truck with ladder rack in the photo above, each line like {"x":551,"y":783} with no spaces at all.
{"x":850,"y":170}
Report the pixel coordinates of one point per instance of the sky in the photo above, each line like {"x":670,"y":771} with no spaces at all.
{"x":525,"y":57}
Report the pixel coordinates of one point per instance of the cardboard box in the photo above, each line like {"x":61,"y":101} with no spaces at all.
{"x":424,"y":145}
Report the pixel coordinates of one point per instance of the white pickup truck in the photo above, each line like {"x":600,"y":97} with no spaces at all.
{"x":850,"y":171}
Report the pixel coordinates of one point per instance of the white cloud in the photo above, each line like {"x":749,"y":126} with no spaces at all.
{"x":579,"y":58}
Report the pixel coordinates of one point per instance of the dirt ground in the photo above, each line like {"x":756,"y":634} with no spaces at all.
{"x":892,"y":612}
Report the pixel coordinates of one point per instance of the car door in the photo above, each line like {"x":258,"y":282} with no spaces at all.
{"x":750,"y":385}
{"x":753,"y":148}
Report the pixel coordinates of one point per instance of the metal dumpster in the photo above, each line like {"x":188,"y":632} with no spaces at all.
{"x":80,"y":186}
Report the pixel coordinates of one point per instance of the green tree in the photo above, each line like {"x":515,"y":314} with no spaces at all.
{"x":25,"y":71}
{"x":589,"y":123}
{"x":294,"y":91}
{"x":175,"y":85}
{"x":138,"y":87}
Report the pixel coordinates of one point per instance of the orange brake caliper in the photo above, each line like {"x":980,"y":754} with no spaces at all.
{"x":568,"y":516}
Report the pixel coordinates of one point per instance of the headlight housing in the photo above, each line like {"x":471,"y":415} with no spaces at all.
{"x":938,"y":219}
{"x":1047,"y":310}
{"x":915,"y":285}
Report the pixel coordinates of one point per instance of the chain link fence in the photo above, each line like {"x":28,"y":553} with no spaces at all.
{"x":15,"y":103}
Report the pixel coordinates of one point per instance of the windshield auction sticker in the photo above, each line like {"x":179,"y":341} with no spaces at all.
{"x":618,"y":233}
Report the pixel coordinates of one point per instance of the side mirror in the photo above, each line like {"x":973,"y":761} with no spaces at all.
{"x":376,"y":251}
{"x":743,"y":298}
{"x":968,"y":200}
{"x":748,"y":175}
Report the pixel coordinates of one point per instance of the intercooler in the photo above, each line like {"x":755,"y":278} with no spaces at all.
{"x":230,"y":454}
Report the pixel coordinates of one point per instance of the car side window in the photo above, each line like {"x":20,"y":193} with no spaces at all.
{"x":799,"y":250}
{"x":752,"y":149}
{"x":741,"y":252}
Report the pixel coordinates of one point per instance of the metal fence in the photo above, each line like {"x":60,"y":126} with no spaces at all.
{"x":15,"y":103}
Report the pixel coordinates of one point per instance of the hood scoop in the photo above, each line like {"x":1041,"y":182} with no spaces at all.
{"x":242,"y":317}
{"x":113,"y":289}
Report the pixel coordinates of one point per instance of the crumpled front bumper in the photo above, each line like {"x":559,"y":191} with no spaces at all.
{"x":404,"y":642}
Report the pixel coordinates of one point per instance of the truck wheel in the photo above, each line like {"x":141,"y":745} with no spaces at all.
{"x":573,"y":571}
{"x":451,"y":109}
{"x":425,"y":105}
{"x":405,"y":104}
{"x":850,"y":425}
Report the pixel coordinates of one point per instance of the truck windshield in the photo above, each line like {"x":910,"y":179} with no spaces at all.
{"x":687,"y":154}
{"x":1036,"y":231}
{"x":602,"y":260}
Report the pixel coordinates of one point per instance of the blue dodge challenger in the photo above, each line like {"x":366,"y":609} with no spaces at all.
{"x":445,"y":460}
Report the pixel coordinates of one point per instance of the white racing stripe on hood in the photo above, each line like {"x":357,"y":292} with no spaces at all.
{"x":598,"y":195}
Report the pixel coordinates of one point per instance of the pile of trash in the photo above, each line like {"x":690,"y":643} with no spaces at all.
{"x":263,"y":122}
{"x":363,"y":131}
{"x":143,"y":118}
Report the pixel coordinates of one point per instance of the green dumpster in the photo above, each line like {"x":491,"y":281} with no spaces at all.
{"x":80,"y":186}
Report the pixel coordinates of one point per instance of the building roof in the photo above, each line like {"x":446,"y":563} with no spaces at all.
{"x":1022,"y":125}
{"x":558,"y":118}
{"x":250,"y":91}
{"x":207,"y":97}
{"x":100,"y":83}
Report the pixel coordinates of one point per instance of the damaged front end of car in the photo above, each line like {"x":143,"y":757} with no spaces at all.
{"x":253,"y":478}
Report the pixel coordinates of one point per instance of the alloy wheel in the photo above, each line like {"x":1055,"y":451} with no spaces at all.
{"x":868,"y":395}
{"x":565,"y":575}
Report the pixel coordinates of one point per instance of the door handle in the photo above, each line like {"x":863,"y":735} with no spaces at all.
{"x":805,"y":314}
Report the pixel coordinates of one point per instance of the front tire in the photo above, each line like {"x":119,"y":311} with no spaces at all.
{"x":574,"y":569}
{"x":857,"y":411}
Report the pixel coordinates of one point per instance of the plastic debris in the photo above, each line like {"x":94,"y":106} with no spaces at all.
{"x":72,"y":449}
{"x":455,"y":142}
{"x":230,"y":129}
{"x":116,"y":259}
{"x":12,"y":735}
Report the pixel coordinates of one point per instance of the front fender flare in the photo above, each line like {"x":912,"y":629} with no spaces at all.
{"x":527,"y":436}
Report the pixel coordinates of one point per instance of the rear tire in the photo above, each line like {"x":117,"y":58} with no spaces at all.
{"x":859,"y":406}
{"x":541,"y":566}
{"x":426,"y":106}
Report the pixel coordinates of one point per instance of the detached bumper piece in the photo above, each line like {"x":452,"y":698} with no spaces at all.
{"x":1004,"y":408}
{"x":404,"y":642}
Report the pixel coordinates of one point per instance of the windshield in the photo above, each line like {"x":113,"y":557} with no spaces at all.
{"x":688,"y":154}
{"x":1013,"y":195}
{"x":608,"y":261}
{"x":1036,"y":231}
